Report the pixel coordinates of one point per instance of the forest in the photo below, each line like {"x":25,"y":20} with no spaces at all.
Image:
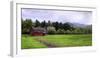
{"x":56,"y":27}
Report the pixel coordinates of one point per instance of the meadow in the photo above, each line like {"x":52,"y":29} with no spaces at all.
{"x":52,"y":41}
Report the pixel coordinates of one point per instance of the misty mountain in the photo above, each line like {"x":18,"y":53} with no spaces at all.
{"x":77,"y":25}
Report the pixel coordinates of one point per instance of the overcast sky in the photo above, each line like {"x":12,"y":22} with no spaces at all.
{"x":82,"y":17}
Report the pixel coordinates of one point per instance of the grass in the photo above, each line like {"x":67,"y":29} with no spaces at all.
{"x":29,"y":42}
{"x":58,"y":40}
{"x":70,"y":40}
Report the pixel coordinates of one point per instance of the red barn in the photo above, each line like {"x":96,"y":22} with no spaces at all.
{"x":38,"y":32}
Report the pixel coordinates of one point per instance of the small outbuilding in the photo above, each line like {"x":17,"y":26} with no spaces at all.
{"x":38,"y":31}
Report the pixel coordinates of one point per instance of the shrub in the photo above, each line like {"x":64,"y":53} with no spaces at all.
{"x":51,"y":30}
{"x":60,"y":31}
{"x":68,"y":32}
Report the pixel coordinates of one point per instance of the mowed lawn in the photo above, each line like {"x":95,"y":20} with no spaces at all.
{"x":29,"y":42}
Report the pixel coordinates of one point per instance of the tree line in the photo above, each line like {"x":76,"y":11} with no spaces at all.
{"x":54,"y":27}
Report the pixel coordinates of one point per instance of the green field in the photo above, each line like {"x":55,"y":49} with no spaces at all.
{"x":47,"y":41}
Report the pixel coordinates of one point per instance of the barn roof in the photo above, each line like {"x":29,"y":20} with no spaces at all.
{"x":39,"y":29}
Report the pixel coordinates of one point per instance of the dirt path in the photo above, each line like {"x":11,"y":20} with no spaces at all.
{"x":45,"y":42}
